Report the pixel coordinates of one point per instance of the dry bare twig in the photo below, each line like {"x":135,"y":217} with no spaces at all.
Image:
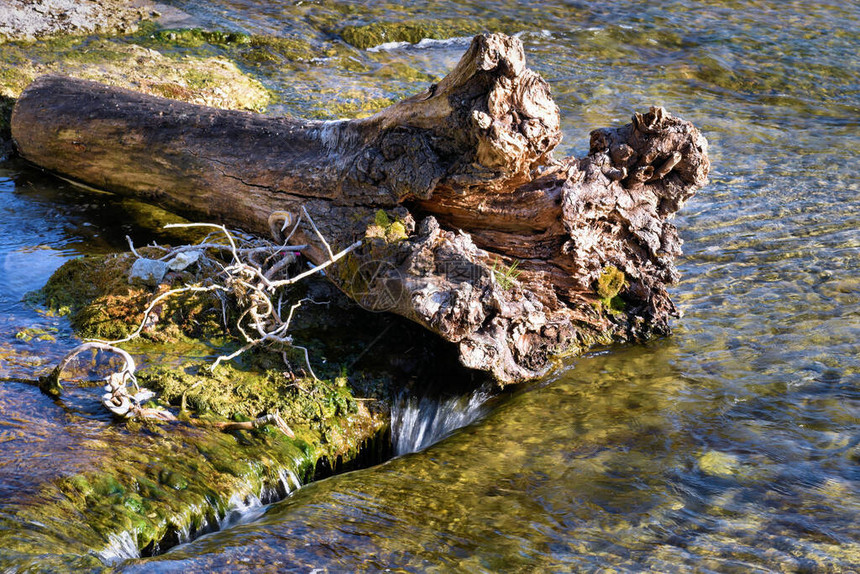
{"x":248,"y":282}
{"x":251,"y":277}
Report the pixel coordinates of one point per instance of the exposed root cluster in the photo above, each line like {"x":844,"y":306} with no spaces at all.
{"x":247,"y":271}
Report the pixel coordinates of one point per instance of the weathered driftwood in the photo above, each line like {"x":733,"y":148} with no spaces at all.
{"x":465,"y":168}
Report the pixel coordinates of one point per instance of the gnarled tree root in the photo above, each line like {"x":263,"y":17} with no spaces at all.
{"x":446,"y":190}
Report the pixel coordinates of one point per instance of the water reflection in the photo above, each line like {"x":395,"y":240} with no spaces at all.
{"x":731,"y":446}
{"x":625,"y":460}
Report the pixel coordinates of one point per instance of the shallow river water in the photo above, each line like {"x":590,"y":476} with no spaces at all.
{"x":731,"y":446}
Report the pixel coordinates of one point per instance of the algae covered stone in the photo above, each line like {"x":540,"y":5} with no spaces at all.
{"x":717,"y":463}
{"x":378,"y":33}
{"x":211,"y":81}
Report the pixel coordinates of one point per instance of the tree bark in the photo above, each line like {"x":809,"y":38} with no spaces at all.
{"x":464,"y":170}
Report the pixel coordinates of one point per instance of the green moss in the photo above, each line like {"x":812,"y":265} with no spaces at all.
{"x":293,"y":49}
{"x":370,"y":35}
{"x":381,"y":219}
{"x":171,"y":478}
{"x":95,"y":292}
{"x":384,"y":227}
{"x":350,"y":104}
{"x":196,"y":37}
{"x":610,"y":282}
{"x":309,"y":406}
{"x":245,"y":48}
{"x":396,"y":232}
{"x":402,"y":72}
{"x":609,"y":285}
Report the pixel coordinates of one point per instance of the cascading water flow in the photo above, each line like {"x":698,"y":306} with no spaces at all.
{"x":418,"y":422}
{"x":242,"y":507}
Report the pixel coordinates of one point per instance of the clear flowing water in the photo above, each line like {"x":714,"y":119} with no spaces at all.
{"x":733,"y":445}
{"x":418,"y":422}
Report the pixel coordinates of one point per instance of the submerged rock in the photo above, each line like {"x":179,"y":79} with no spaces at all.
{"x":716,"y":463}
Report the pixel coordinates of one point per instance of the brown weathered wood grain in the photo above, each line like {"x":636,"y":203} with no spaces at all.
{"x":465,"y":166}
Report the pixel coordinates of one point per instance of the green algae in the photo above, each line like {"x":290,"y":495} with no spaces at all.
{"x":320,"y":412}
{"x":161,"y":480}
{"x":377,"y":33}
{"x":37,"y":333}
{"x":354,"y":104}
{"x":252,"y":49}
{"x":197,"y":37}
{"x":204,"y":79}
{"x":169,"y":480}
{"x":610,"y":283}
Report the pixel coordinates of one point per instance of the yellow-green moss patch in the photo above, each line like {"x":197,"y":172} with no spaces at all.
{"x":377,"y":33}
{"x":210,"y":81}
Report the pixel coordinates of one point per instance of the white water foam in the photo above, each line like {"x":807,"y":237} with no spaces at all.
{"x":419,"y":423}
{"x":120,"y":547}
{"x":289,"y":481}
{"x":241,"y":509}
{"x":455,"y":42}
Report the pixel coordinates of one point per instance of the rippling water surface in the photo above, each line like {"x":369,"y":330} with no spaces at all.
{"x":733,"y":445}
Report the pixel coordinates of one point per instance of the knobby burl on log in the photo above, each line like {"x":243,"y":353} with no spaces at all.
{"x":465,"y":174}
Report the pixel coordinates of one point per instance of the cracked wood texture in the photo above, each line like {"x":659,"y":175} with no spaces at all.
{"x":465,"y":175}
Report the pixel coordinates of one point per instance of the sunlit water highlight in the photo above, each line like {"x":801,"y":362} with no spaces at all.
{"x":418,"y":422}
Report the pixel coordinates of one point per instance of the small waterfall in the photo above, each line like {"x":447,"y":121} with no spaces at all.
{"x":120,"y":547}
{"x":241,"y":509}
{"x":418,"y":423}
{"x":288,"y":480}
{"x":184,"y":533}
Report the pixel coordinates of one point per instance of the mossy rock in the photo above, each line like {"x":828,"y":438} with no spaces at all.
{"x":313,"y":408}
{"x":248,"y":48}
{"x":94,"y":291}
{"x":377,"y":33}
{"x":206,"y":80}
{"x":177,"y":477}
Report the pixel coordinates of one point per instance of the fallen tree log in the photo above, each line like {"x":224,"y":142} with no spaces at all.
{"x":469,"y":225}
